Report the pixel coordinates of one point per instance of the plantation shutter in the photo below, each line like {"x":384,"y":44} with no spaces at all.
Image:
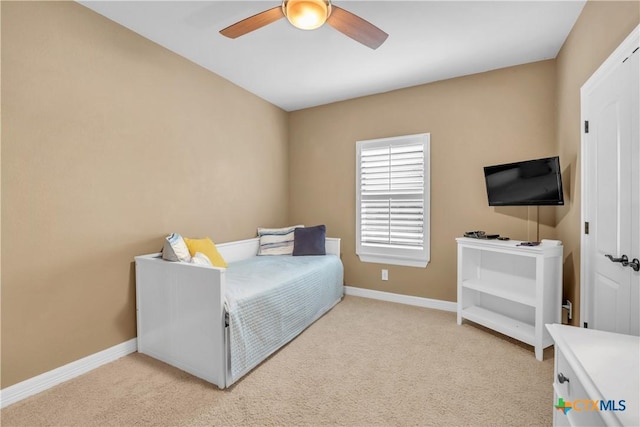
{"x":392,"y":200}
{"x":392,"y":195}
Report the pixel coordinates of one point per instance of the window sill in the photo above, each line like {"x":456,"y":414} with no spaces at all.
{"x":393,"y":260}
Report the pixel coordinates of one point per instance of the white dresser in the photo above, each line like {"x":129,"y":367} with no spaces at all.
{"x":597,"y":375}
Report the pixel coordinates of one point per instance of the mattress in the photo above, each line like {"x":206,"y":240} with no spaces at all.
{"x":271,"y":299}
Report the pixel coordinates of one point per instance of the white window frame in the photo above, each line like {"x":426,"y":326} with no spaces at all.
{"x":407,"y":256}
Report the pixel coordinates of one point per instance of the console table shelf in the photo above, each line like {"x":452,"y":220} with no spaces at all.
{"x":504,"y":324}
{"x":511,"y":289}
{"x":523,"y":291}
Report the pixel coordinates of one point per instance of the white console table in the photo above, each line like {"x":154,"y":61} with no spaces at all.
{"x":511,"y":289}
{"x":595,"y":366}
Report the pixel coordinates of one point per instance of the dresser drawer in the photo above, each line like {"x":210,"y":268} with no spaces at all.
{"x":570,"y":389}
{"x":559,"y":418}
{"x":584,"y":411}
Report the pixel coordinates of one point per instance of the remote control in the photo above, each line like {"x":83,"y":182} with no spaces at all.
{"x":529,"y":244}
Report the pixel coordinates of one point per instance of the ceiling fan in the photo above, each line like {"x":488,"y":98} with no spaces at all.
{"x":309,"y":15}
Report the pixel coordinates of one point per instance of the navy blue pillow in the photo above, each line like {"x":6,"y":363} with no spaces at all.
{"x":309,"y":240}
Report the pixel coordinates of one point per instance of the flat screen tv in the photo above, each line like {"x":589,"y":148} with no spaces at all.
{"x":527,"y":183}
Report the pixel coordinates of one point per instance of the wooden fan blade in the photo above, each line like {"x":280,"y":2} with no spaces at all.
{"x":253,"y":23}
{"x":357,"y":28}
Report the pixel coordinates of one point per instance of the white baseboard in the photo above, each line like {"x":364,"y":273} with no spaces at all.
{"x":64,"y":373}
{"x":401,"y":299}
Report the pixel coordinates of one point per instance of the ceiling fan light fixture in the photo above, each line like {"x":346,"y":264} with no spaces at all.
{"x":307,"y":14}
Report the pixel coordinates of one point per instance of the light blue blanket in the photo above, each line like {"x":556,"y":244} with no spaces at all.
{"x":271,"y":299}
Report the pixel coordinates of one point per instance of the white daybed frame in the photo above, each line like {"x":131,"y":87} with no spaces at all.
{"x":181,"y":310}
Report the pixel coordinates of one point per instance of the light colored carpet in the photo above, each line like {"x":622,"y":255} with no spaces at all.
{"x":365,"y":363}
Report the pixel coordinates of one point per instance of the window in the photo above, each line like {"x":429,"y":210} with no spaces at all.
{"x":392,"y":200}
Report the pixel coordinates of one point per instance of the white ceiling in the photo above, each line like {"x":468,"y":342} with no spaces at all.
{"x":295,"y":69}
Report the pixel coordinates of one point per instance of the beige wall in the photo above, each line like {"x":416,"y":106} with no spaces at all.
{"x":494,"y":117}
{"x":602,"y":26}
{"x":109,"y":143}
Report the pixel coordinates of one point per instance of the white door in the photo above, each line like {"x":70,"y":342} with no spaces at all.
{"x":611,"y":193}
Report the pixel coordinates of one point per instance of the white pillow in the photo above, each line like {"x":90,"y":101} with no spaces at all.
{"x":201,"y":259}
{"x":276,"y":241}
{"x":175,"y":249}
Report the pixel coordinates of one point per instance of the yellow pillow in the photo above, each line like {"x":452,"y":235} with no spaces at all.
{"x":207,"y":247}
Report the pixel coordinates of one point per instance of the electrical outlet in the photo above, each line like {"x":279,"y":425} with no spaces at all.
{"x":385,"y":274}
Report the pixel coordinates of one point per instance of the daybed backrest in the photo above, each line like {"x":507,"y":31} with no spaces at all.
{"x":243,"y":249}
{"x":238,"y":250}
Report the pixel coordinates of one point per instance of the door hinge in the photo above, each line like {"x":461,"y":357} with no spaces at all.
{"x":634,"y":51}
{"x":586,"y":126}
{"x":586,"y":326}
{"x":586,"y":227}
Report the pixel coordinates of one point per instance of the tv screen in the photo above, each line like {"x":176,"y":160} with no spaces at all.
{"x":532,"y":182}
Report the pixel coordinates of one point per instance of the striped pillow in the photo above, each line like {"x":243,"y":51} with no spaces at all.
{"x":175,"y":249}
{"x":276,"y":241}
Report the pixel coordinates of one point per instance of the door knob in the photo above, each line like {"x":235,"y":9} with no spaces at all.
{"x":623,"y":259}
{"x":635,"y":264}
